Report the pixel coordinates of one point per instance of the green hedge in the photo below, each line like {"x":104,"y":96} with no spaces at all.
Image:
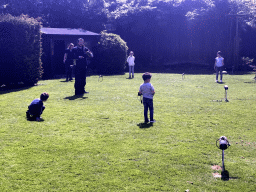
{"x":110,"y":54}
{"x":20,"y":48}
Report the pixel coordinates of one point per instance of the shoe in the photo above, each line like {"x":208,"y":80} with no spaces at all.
{"x":146,"y":121}
{"x":28,"y":115}
{"x":153,"y":121}
{"x":216,"y":81}
{"x":70,"y":79}
{"x":132,"y":76}
{"x":86,"y":92}
{"x":221,"y":81}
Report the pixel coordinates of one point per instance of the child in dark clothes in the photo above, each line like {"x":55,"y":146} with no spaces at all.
{"x":36,"y":108}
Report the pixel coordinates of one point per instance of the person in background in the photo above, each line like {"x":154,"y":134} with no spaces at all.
{"x":218,"y":66}
{"x":130,"y":61}
{"x":68,"y":60}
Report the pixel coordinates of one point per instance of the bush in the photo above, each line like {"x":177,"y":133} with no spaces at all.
{"x":20,"y":48}
{"x":110,"y":54}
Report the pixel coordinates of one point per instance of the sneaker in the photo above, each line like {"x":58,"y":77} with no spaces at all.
{"x":86,"y":92}
{"x":153,"y":121}
{"x":216,"y":81}
{"x":221,"y":81}
{"x":38,"y":119}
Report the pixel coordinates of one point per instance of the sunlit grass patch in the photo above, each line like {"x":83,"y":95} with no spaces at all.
{"x":98,"y":142}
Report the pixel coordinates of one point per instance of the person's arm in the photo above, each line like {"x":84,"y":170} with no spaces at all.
{"x":152,"y":90}
{"x":223,"y":62}
{"x":140,"y":92}
{"x":89,"y":53}
{"x":65,"y":57}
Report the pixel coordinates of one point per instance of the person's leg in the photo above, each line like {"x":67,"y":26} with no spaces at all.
{"x":69,"y":73}
{"x":217,"y":73}
{"x":66,"y":69}
{"x":78,"y":81}
{"x":145,"y":103}
{"x":130,"y":69}
{"x":151,"y":109}
{"x":221,"y":74}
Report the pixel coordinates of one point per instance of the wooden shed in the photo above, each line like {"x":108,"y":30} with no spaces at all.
{"x":54,"y":43}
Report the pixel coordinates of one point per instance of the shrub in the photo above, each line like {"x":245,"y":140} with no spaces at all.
{"x":110,"y":54}
{"x":20,"y":48}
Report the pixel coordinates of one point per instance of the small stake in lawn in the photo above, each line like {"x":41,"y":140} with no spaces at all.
{"x":226,"y":95}
{"x":222,"y":143}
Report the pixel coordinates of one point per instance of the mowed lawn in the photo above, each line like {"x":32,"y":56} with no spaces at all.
{"x":98,"y":142}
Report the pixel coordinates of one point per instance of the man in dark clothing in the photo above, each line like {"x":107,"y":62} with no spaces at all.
{"x":81,"y":54}
{"x":36,"y":108}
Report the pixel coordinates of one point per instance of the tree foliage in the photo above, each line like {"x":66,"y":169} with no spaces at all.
{"x":20,"y":47}
{"x":111,"y":51}
{"x":158,"y":31}
{"x":60,"y":13}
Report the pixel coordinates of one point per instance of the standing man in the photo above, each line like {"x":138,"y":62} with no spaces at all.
{"x":81,"y":54}
{"x":130,"y":61}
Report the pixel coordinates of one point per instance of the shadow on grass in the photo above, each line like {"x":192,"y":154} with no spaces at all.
{"x":145,"y":125}
{"x":74,"y":97}
{"x":13,"y":88}
{"x":225,"y":176}
{"x":64,"y":81}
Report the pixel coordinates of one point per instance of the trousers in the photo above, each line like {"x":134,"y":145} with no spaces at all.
{"x":148,"y":104}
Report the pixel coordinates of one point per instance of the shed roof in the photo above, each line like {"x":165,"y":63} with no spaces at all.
{"x":66,"y":31}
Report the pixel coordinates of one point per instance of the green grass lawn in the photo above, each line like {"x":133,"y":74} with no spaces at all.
{"x":98,"y":142}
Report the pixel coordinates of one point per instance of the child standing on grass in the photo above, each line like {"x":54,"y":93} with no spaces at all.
{"x":36,"y":108}
{"x":130,"y":61}
{"x":148,"y":91}
{"x":218,"y":66}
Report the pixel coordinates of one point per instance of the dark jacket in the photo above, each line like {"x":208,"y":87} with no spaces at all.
{"x":36,"y":107}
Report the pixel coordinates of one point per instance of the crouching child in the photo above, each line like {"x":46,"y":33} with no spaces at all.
{"x":36,"y":108}
{"x":148,"y":91}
